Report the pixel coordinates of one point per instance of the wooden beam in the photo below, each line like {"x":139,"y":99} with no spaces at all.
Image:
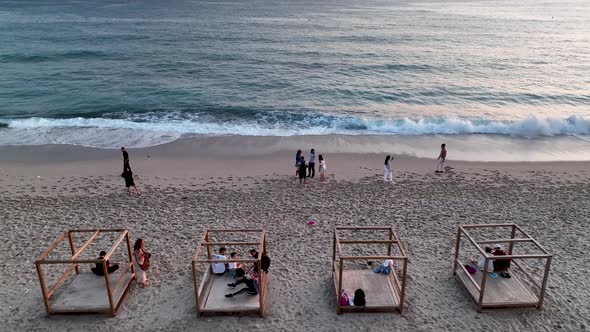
{"x":61,"y":280}
{"x":526,"y":273}
{"x":486,"y":225}
{"x":338,"y":242}
{"x":367,"y":241}
{"x":70,"y":261}
{"x":457,"y":247}
{"x":103,"y":230}
{"x":43,"y":288}
{"x":85,"y":245}
{"x":130,"y":255}
{"x":512,"y":236}
{"x":519,"y":256}
{"x":399,"y":243}
{"x":505,"y":241}
{"x":544,"y":284}
{"x":339,"y":294}
{"x":197,"y":252}
{"x":229,"y":260}
{"x":73,"y":250}
{"x":374,"y":257}
{"x":484,"y":279}
{"x":360,"y":228}
{"x":472,"y":240}
{"x":195,"y":284}
{"x":53,"y":246}
{"x":115,"y":245}
{"x":468,"y":274}
{"x":534,"y":241}
{"x":230,"y":243}
{"x":121,"y":278}
{"x":109,"y":292}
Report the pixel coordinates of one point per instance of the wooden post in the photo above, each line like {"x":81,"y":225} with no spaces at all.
{"x":109,"y":293}
{"x":208,"y":247}
{"x":512,"y":235}
{"x":339,"y":295}
{"x":130,"y":253}
{"x":334,"y":252}
{"x":544,"y":284}
{"x":73,"y":248}
{"x":402,"y":295}
{"x":482,"y":288}
{"x":43,"y":288}
{"x":457,"y":246}
{"x":261,"y":275}
{"x":389,"y":245}
{"x":196,"y":284}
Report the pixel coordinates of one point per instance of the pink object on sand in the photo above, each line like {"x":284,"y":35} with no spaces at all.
{"x":311,"y":222}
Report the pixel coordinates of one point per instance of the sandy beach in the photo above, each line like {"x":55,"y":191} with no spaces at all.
{"x":194,"y":184}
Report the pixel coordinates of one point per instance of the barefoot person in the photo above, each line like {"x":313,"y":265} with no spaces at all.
{"x":302,"y":170}
{"x":297,"y":161}
{"x":311,"y":164}
{"x":251,"y":284}
{"x":387,"y":173}
{"x":441,"y":159}
{"x":142,"y":260}
{"x":125,"y":159}
{"x":129,"y":182}
{"x":322,"y":168}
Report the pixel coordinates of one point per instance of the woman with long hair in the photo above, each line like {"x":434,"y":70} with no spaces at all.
{"x":142,"y":260}
{"x":387,"y":173}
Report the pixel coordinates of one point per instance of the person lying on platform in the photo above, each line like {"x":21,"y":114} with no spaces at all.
{"x":251,"y":284}
{"x":385,"y":268}
{"x":98,"y":270}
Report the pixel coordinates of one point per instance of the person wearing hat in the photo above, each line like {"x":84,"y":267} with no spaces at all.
{"x":501,"y":265}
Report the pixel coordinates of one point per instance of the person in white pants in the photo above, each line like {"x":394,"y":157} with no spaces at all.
{"x":140,"y":256}
{"x":441,"y":159}
{"x":387,"y":172}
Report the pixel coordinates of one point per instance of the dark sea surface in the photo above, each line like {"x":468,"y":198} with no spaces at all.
{"x":138,"y":73}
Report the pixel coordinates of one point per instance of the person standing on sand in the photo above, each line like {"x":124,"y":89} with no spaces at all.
{"x":322,"y":168}
{"x":142,"y":259}
{"x":441,"y":159}
{"x":387,"y":172}
{"x":125,"y":159}
{"x":129,"y":182}
{"x":311,"y":164}
{"x":302,"y":170}
{"x":297,"y":161}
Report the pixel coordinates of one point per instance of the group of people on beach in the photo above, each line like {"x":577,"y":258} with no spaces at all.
{"x":246,"y":276}
{"x":305,"y":169}
{"x":497,"y":266}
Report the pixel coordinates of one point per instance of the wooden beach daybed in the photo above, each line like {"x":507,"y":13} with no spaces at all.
{"x":525,"y":287}
{"x":210,"y":293}
{"x":383,"y":293}
{"x":85,"y":292}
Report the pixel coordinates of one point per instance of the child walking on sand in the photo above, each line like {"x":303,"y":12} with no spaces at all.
{"x":322,"y":168}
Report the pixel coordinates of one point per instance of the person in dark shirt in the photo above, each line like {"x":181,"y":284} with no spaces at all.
{"x":129,"y":182}
{"x":125,"y":159}
{"x":98,"y":270}
{"x":264,"y":261}
{"x":302,"y":170}
{"x":251,"y":284}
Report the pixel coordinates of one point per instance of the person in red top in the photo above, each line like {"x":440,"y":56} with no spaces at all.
{"x":501,"y":265}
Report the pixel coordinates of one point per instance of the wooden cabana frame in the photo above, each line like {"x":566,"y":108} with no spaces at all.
{"x":114,"y":294}
{"x":517,"y":291}
{"x":384,"y":293}
{"x":208,"y":294}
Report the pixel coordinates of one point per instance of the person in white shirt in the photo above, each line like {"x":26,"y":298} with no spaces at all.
{"x":219,"y":268}
{"x":481,"y":261}
{"x":233,"y":266}
{"x":387,"y":173}
{"x":322,"y":168}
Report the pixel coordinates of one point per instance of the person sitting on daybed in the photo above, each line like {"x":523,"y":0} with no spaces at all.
{"x":501,"y":265}
{"x":98,"y":270}
{"x":482,"y":260}
{"x":251,"y":284}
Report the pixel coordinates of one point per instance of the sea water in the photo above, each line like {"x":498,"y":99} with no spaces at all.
{"x":107,"y":73}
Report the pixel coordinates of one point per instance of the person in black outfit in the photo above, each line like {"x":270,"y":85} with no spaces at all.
{"x":251,"y":285}
{"x":98,"y":270}
{"x":264,"y":261}
{"x":125,"y":159}
{"x":302,"y":171}
{"x":129,"y":182}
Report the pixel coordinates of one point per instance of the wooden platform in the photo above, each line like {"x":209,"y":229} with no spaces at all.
{"x":499,"y":292}
{"x":88,"y":292}
{"x":213,"y":295}
{"x":380,"y":294}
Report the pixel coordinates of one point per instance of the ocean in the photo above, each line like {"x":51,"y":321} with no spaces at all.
{"x":107,"y":73}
